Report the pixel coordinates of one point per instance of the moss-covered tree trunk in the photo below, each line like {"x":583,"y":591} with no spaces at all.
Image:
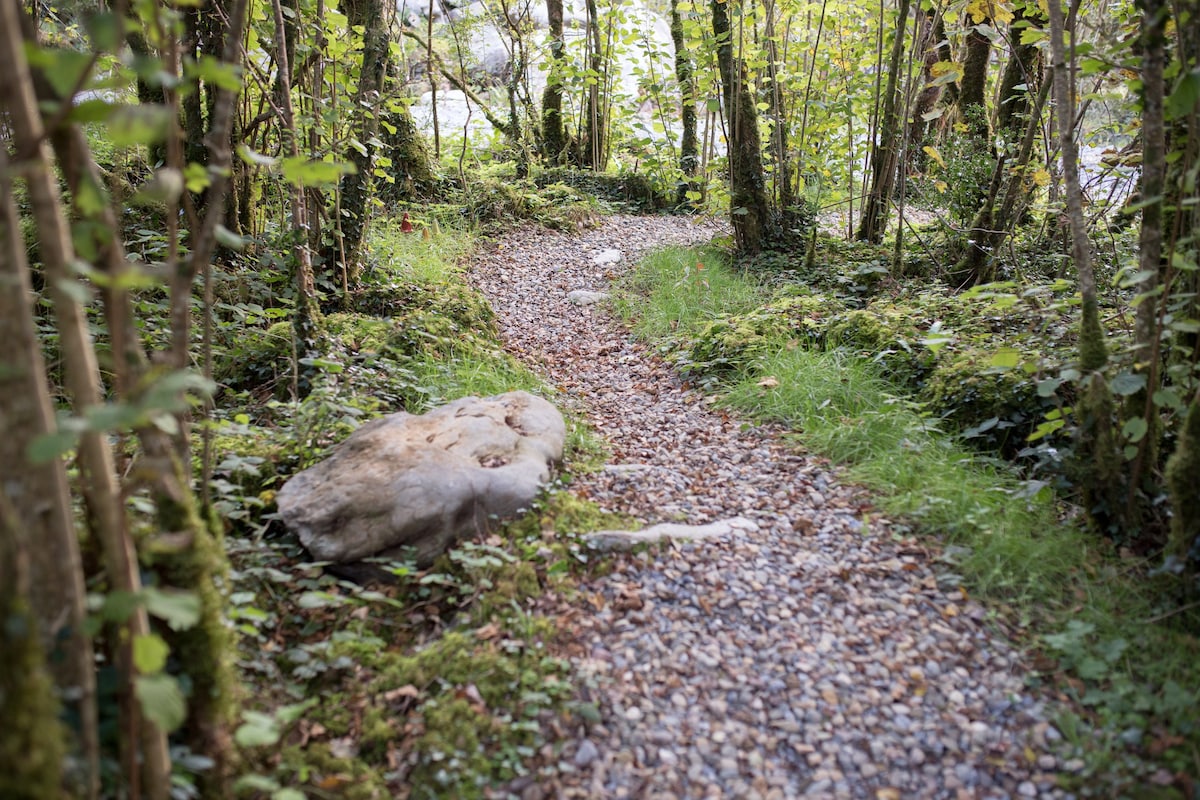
{"x":37,"y":492}
{"x":885,"y":151}
{"x":1183,"y":469}
{"x":31,"y":749}
{"x":993,"y":224}
{"x":972,"y":89}
{"x":356,"y":185}
{"x":1099,"y":459}
{"x":593,"y":149}
{"x":1017,"y":83}
{"x":749,"y":209}
{"x":554,"y":142}
{"x":412,"y":164}
{"x":689,"y":146}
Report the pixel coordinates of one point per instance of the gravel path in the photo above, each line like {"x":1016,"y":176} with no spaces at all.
{"x":817,"y":656}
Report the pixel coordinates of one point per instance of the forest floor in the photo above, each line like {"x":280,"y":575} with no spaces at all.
{"x":824,"y":654}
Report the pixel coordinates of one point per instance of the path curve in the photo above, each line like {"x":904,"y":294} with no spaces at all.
{"x":817,"y":656}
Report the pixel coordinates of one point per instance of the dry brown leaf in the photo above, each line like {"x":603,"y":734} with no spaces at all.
{"x":407,"y":690}
{"x":769,"y":382}
{"x":489,"y":631}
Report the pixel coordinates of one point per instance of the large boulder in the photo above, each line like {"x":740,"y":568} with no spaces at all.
{"x":423,"y":482}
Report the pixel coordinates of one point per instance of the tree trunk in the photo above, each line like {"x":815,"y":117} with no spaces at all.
{"x":779,"y":130}
{"x":593,"y":148}
{"x":991,"y":226}
{"x":883,"y":154}
{"x":1012,"y":102}
{"x":972,"y":105}
{"x":1099,"y":459}
{"x":38,"y":491}
{"x":304,"y":324}
{"x":931,"y":91}
{"x":31,"y":751}
{"x":689,"y":147}
{"x":356,"y":185}
{"x":205,"y":650}
{"x":749,"y":209}
{"x":554,"y":140}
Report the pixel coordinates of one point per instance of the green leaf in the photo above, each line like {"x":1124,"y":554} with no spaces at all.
{"x":50,"y":446}
{"x":304,"y":172}
{"x":311,"y":600}
{"x":261,"y":783}
{"x":104,"y":30}
{"x":1048,"y":386}
{"x":216,"y":72}
{"x":1134,"y":429}
{"x":118,"y":606}
{"x":63,"y":68}
{"x":196,"y":178}
{"x":258,"y":730}
{"x":1168,"y":398}
{"x":180,"y":610}
{"x":94,"y":110}
{"x":1006,"y":358}
{"x":1127,"y":383}
{"x":293,"y":712}
{"x":288,"y":793}
{"x":150,"y":653}
{"x":1183,"y":99}
{"x":141,"y":124}
{"x":161,"y":700}
{"x":230,"y":239}
{"x":1091,"y":668}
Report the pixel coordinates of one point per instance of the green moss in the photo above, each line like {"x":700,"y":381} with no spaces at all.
{"x":886,"y":334}
{"x":473,"y":700}
{"x":732,"y":343}
{"x":351,"y":778}
{"x":31,"y":749}
{"x":967,"y":389}
{"x":1182,"y":469}
{"x":1098,"y":463}
{"x":1092,"y":352}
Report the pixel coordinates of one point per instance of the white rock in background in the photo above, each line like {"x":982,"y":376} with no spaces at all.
{"x":610,"y":256}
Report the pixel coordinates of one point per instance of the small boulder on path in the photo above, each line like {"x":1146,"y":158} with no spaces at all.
{"x":583,"y":297}
{"x":609,"y":541}
{"x":609,"y":256}
{"x":424,"y":482}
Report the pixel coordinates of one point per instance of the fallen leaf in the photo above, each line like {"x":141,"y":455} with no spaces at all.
{"x":407,"y":690}
{"x":489,"y":631}
{"x":769,"y":382}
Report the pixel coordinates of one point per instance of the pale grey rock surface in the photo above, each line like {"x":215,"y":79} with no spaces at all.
{"x":616,"y":540}
{"x":609,"y":255}
{"x":583,"y":297}
{"x":424,"y":482}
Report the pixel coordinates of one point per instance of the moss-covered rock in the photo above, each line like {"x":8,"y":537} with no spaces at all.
{"x":455,"y":301}
{"x":886,"y":334}
{"x":998,"y":407}
{"x":732,"y":343}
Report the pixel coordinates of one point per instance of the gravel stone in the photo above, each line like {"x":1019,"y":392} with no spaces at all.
{"x":812,"y":656}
